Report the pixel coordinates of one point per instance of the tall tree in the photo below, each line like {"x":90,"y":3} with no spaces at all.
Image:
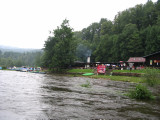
{"x":153,"y":39}
{"x":62,"y":48}
{"x":0,"y":53}
{"x":131,"y":44}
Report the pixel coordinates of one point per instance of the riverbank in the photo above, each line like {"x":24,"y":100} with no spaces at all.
{"x":136,"y":80}
{"x":135,"y":76}
{"x":109,"y":76}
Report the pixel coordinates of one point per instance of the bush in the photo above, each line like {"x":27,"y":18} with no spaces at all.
{"x":107,"y":68}
{"x":151,"y":76}
{"x":87,"y":85}
{"x":140,"y":92}
{"x":4,"y":67}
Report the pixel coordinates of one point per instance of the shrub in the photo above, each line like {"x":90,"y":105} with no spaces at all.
{"x":140,"y":92}
{"x":107,"y":68}
{"x":151,"y":76}
{"x":87,"y":85}
{"x":4,"y":67}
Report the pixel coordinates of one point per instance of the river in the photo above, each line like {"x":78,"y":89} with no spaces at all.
{"x":32,"y":96}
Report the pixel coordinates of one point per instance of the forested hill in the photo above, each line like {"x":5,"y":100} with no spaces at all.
{"x":15,"y":49}
{"x":10,"y":56}
{"x":134,"y":32}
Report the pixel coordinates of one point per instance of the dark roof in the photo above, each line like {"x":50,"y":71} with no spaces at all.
{"x":136,"y":59}
{"x":152,"y":54}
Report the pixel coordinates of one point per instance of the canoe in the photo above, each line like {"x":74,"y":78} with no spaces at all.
{"x":87,"y":74}
{"x":42,"y":72}
{"x":34,"y":71}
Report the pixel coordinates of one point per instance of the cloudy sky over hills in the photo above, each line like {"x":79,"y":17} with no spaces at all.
{"x":26,"y":23}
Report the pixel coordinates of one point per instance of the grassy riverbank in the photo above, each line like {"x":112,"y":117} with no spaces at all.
{"x":134,"y":71}
{"x":108,"y":77}
{"x":114,"y":78}
{"x":78,"y":72}
{"x":119,"y":78}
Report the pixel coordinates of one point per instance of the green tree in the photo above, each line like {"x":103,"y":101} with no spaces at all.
{"x":0,"y":53}
{"x":131,"y":44}
{"x":18,"y":63}
{"x":48,"y":52}
{"x":157,"y":5}
{"x":103,"y":51}
{"x":150,"y":16}
{"x":60,"y":49}
{"x":115,"y":49}
{"x":38,"y":59}
{"x":106,"y":27}
{"x":158,"y":21}
{"x":9,"y":63}
{"x":133,"y":33}
{"x":152,"y":39}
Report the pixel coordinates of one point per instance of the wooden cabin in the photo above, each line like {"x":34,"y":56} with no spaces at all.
{"x":153,"y":60}
{"x":138,"y":62}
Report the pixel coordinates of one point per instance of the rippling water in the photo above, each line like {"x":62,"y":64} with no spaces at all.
{"x":27,"y":96}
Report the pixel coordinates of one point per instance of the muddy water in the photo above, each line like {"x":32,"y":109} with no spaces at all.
{"x":27,"y":96}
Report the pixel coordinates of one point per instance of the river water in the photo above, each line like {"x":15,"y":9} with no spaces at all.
{"x":31,"y":96}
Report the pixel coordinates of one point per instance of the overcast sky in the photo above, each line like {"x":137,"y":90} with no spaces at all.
{"x":26,"y":23}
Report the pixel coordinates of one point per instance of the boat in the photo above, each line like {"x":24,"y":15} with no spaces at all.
{"x":34,"y":71}
{"x":42,"y":72}
{"x":24,"y":69}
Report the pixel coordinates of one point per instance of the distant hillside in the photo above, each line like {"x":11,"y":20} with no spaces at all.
{"x":15,"y":49}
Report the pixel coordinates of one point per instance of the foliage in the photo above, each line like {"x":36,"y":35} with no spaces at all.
{"x":10,"y":59}
{"x":134,"y":32}
{"x":4,"y":68}
{"x":115,"y":78}
{"x":59,"y":50}
{"x":120,"y":78}
{"x":135,"y":71}
{"x":152,"y":76}
{"x":87,"y":84}
{"x":140,"y":92}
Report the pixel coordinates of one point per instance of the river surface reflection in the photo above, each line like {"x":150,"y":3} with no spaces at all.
{"x":31,"y":96}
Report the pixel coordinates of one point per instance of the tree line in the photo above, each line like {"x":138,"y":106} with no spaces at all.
{"x":10,"y":59}
{"x":135,"y":32}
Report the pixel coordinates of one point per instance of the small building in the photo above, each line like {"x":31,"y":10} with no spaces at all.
{"x":78,"y":64}
{"x":137,"y":62}
{"x":153,"y":60}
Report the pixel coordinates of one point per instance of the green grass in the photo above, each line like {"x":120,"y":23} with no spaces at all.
{"x":128,"y":71}
{"x":152,"y":77}
{"x":87,"y":84}
{"x":133,"y":71}
{"x":141,"y":92}
{"x":81,"y":71}
{"x":119,"y":78}
{"x":114,"y":78}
